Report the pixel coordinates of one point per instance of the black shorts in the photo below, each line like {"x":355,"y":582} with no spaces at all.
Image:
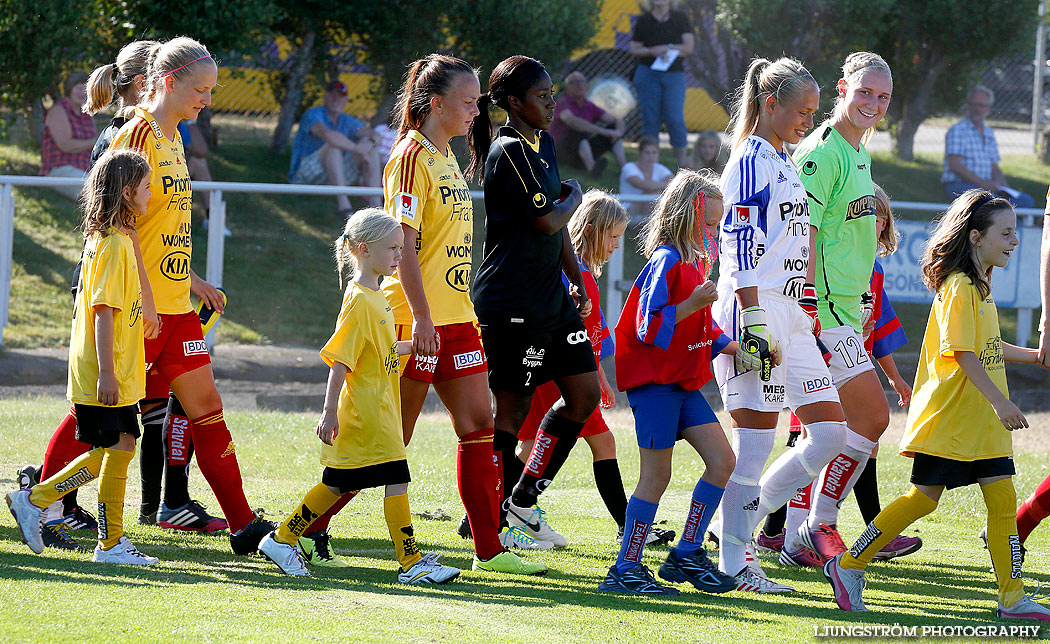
{"x":522,"y":359}
{"x":359,"y":478}
{"x":102,"y":426}
{"x":935,"y":470}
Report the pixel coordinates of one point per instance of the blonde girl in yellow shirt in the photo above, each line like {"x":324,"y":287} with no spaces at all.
{"x":960,"y":419}
{"x":361,"y":423}
{"x":107,"y":368}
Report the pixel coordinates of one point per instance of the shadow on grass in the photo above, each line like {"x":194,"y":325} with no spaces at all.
{"x":373,"y":570}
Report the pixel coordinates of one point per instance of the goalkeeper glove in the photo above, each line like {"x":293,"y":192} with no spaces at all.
{"x":756,"y":342}
{"x":808,"y":302}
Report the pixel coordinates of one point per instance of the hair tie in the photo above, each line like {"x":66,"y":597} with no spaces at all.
{"x":984,"y":200}
{"x":186,"y":65}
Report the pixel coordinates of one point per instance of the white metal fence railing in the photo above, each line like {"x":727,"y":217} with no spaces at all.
{"x":1011,"y":290}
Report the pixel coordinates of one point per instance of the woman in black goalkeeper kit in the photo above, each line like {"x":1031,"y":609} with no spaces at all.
{"x":531,"y":327}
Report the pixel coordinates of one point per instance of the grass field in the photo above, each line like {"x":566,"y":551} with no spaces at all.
{"x":279,"y":250}
{"x":200,"y":592}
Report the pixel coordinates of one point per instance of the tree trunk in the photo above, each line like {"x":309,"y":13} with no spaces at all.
{"x":1044,"y":144}
{"x":35,"y":121}
{"x":916,"y":108}
{"x":293,"y":92}
{"x":204,"y":125}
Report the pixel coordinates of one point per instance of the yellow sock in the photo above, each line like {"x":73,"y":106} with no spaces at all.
{"x":896,"y":516}
{"x":315,"y":503}
{"x":1003,"y":543}
{"x":81,"y":470}
{"x":112,"y":483}
{"x":399,"y":522}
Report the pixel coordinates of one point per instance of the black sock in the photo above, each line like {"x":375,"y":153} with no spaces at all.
{"x":555,"y":438}
{"x":506,"y":445}
{"x":775,"y":521}
{"x":69,"y":502}
{"x":177,"y":453}
{"x":866,"y":492}
{"x":610,"y":487}
{"x":151,"y":458}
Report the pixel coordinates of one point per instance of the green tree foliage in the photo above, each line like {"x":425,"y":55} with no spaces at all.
{"x":42,"y":42}
{"x":934,"y":47}
{"x":485,"y":32}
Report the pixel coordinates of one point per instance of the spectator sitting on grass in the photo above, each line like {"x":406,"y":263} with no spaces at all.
{"x":335,"y":148}
{"x":69,"y":134}
{"x":646,"y":176}
{"x":971,"y":155}
{"x":584,"y":132}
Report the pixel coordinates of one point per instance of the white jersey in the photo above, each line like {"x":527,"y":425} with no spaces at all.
{"x":764,"y":238}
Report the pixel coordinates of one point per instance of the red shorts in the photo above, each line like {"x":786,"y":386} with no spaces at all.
{"x":461,"y":354}
{"x":179,"y":349}
{"x":542,"y":400}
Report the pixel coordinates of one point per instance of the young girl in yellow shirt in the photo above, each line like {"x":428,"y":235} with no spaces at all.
{"x":107,"y":368}
{"x":960,"y":419}
{"x":361,"y":422}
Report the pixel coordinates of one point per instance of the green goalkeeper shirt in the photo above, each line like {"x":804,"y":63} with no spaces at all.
{"x":841,"y":196}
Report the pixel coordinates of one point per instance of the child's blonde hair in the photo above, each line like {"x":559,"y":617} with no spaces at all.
{"x":102,"y":198}
{"x":675,"y":220}
{"x":783,"y":79}
{"x":177,"y":58}
{"x":852,"y":68}
{"x":890,"y":237}
{"x":602,"y":213}
{"x":949,"y":249}
{"x":366,"y":226}
{"x":119,"y":78}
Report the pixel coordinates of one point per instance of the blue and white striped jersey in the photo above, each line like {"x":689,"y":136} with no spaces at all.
{"x":764,"y":239}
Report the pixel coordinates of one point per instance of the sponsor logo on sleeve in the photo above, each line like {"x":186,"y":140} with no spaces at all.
{"x":407,"y":205}
{"x":744,"y":215}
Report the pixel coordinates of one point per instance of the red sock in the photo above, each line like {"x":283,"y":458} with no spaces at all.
{"x":321,"y":522}
{"x":217,"y":459}
{"x":63,"y":447}
{"x":1033,"y":510}
{"x":478,"y":480}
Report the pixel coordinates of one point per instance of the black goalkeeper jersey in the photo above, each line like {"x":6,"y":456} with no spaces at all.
{"x":519,"y":280}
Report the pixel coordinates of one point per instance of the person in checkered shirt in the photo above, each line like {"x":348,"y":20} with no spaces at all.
{"x":971,"y":155}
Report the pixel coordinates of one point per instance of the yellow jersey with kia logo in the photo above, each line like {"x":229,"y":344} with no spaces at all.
{"x":164,"y":231}
{"x":425,"y":190}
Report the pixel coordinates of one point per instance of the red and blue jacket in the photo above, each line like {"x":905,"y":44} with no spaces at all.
{"x":650,"y":347}
{"x":888,"y":335}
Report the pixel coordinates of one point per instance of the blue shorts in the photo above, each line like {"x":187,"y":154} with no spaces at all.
{"x":662,"y":412}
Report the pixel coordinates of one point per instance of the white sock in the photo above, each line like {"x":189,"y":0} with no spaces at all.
{"x":801,"y":464}
{"x":740,"y":500}
{"x":53,"y":512}
{"x":797,"y":513}
{"x":838,"y":478}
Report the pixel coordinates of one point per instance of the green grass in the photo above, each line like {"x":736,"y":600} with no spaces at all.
{"x":278,"y":268}
{"x":202,"y":593}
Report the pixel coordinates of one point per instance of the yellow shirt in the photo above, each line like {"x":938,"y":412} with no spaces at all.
{"x":948,"y":416}
{"x":164,"y":231}
{"x":108,"y":276}
{"x":370,"y":399}
{"x":425,"y":190}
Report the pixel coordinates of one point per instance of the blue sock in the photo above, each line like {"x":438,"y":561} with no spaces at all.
{"x":706,"y":498}
{"x":639,"y":519}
